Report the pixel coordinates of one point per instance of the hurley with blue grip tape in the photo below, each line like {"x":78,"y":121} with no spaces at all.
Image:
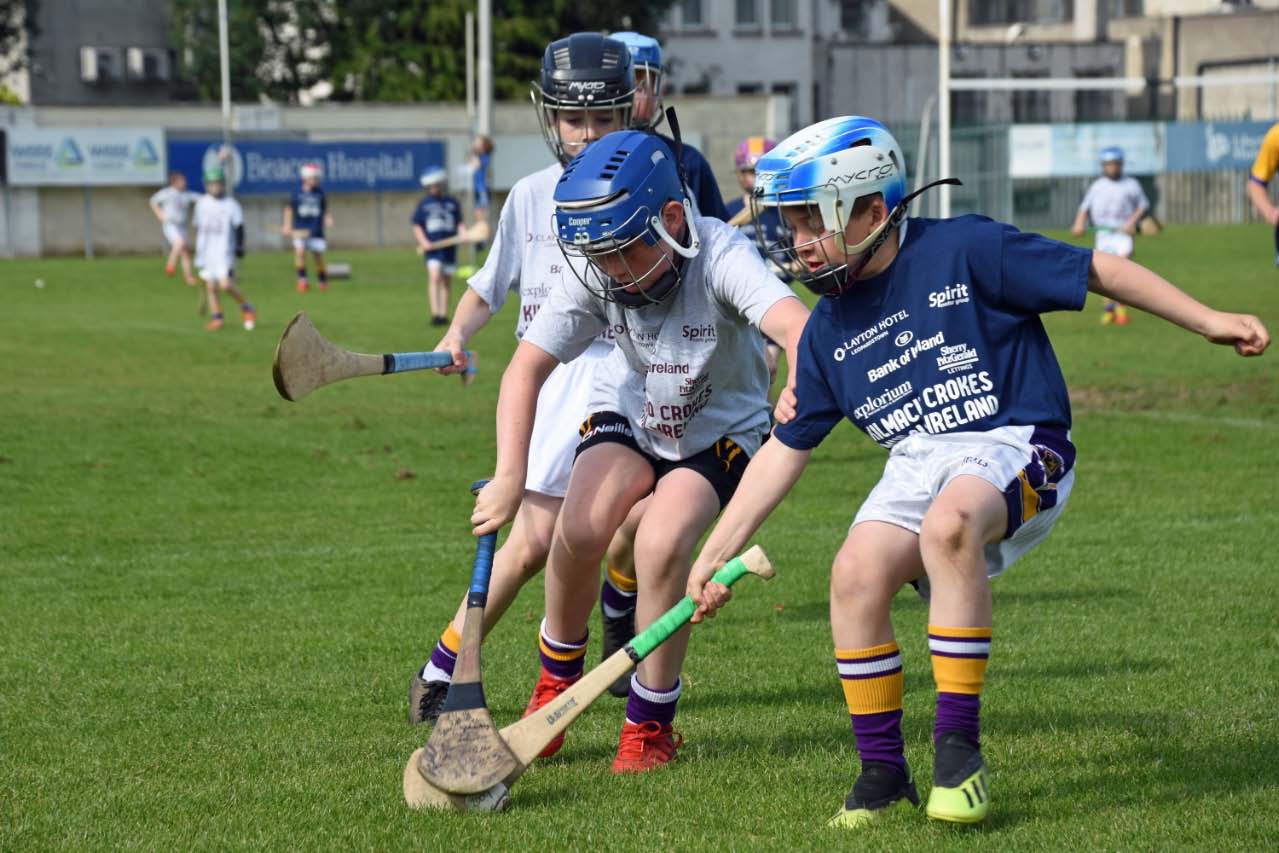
{"x":306,"y":360}
{"x":465,"y":754}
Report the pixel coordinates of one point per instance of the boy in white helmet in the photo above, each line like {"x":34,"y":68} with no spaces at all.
{"x":219,"y":240}
{"x":1115,"y":203}
{"x":170,"y":206}
{"x":437,"y":217}
{"x":930,"y":342}
{"x":305,"y":218}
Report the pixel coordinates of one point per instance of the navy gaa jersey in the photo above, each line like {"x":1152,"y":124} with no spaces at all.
{"x":700,"y":178}
{"x":439,"y":217}
{"x":309,"y":207}
{"x":770,"y":222}
{"x":947,"y":339}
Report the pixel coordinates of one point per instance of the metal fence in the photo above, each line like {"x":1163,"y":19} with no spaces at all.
{"x":980,"y":157}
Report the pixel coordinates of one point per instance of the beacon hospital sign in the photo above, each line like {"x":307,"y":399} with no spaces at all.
{"x":271,"y":167}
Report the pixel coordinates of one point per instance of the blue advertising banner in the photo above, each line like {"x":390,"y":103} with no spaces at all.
{"x":1214,"y":145}
{"x":271,"y":168}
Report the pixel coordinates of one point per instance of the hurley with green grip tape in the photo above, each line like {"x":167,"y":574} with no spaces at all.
{"x":529,"y":736}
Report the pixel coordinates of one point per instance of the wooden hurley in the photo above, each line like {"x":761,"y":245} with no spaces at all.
{"x":526,"y":738}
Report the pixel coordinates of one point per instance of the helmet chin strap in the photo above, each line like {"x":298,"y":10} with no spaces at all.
{"x":875,"y":240}
{"x":694,"y":241}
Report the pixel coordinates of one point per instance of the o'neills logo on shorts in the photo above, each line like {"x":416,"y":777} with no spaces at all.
{"x":622,"y":428}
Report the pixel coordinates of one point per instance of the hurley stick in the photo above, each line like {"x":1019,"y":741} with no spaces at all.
{"x":465,"y":754}
{"x":306,"y":360}
{"x":528,"y":737}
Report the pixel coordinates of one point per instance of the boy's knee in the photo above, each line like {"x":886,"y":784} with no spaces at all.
{"x":662,"y":557}
{"x":950,"y":530}
{"x":583,"y":539}
{"x":856,"y":581}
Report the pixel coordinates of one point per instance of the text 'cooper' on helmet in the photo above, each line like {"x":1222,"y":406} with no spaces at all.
{"x":585,"y":71}
{"x":611,"y":197}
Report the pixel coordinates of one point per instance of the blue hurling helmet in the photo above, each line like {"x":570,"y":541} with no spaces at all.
{"x":609,"y":199}
{"x":826,"y":168}
{"x":646,"y":56}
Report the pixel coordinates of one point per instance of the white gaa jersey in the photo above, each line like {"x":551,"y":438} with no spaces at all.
{"x":689,"y":370}
{"x":174,"y":203}
{"x":525,"y":260}
{"x":215,"y":223}
{"x":1110,"y":204}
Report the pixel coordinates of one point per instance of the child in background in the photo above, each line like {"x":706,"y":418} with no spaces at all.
{"x":170,"y":206}
{"x":219,"y":230}
{"x":436,"y":218}
{"x":1115,"y":204}
{"x":305,"y":218}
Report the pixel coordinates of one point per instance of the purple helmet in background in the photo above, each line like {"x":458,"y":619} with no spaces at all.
{"x":750,"y":149}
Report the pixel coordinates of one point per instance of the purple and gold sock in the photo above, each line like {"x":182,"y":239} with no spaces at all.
{"x":302,"y":273}
{"x":617,"y":595}
{"x":959,"y":668}
{"x":564,"y":661}
{"x":872,"y":680}
{"x":321,"y":272}
{"x":645,"y":705}
{"x":444,"y":658}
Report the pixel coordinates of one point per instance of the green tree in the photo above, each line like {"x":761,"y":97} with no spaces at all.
{"x":17,"y":23}
{"x":371,"y":50}
{"x":277,"y":48}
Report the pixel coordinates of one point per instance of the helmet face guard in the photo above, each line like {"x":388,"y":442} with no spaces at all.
{"x":646,"y":57}
{"x":585,"y":72}
{"x":609,"y":204}
{"x":633,"y":287}
{"x":548,"y":110}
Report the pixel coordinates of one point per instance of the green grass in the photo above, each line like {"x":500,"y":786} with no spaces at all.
{"x":213,"y":599}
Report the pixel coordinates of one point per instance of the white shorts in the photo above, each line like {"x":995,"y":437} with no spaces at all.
{"x":173,"y":233}
{"x":313,"y":244}
{"x":561,"y":408}
{"x":1114,"y":243}
{"x":437,"y":264}
{"x":1033,"y":467}
{"x":214,"y":273}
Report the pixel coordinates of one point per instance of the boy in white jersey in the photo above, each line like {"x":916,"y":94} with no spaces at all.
{"x":929,"y":340}
{"x":586,"y":89}
{"x":219,"y":230}
{"x":1115,"y":203}
{"x":680,"y":407}
{"x":170,"y":207}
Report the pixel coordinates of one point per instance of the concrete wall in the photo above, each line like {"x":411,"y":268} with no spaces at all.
{"x":51,"y":220}
{"x":1243,"y":42}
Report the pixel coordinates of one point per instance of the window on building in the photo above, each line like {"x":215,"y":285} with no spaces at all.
{"x":1125,"y":8}
{"x":1031,"y":105}
{"x":1094,"y":104}
{"x":782,"y":14}
{"x":746,"y":13}
{"x":750,"y":88}
{"x":981,"y":12}
{"x":967,"y":107}
{"x":691,"y":13}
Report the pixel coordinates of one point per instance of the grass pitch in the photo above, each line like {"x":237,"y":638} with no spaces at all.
{"x":213,"y":599}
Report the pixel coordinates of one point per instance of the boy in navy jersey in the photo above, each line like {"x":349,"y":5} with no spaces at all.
{"x":930,"y":342}
{"x":305,"y":218}
{"x":437,"y":217}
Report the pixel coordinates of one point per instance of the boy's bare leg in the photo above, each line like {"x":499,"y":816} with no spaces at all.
{"x":969,"y":514}
{"x":521,"y":556}
{"x":876,"y":561}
